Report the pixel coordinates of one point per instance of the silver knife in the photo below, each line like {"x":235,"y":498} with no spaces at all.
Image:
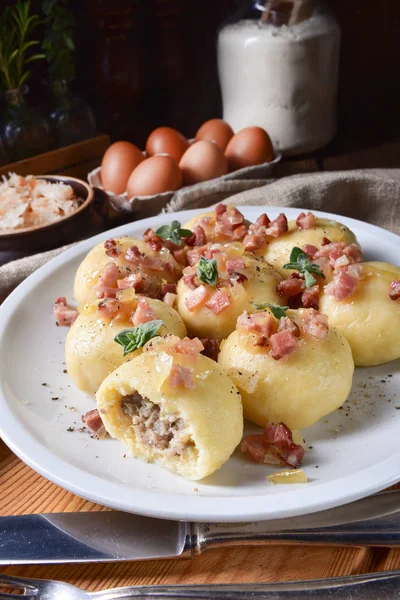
{"x":117,"y":536}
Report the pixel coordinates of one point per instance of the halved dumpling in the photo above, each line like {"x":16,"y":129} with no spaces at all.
{"x":294,"y":370}
{"x":174,"y":407}
{"x":91,"y":352}
{"x":211,"y":311}
{"x":321,"y":232}
{"x":122,"y":263}
{"x":368,"y":318}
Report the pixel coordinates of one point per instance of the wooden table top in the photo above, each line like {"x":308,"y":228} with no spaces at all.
{"x":23,"y":491}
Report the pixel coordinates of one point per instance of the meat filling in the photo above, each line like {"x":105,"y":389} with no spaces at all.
{"x":154,"y":427}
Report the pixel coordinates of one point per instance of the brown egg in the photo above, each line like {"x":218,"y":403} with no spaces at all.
{"x":202,"y":161}
{"x":165,"y":140}
{"x":215,"y":130}
{"x":119,"y":160}
{"x":155,"y":175}
{"x":250,"y":146}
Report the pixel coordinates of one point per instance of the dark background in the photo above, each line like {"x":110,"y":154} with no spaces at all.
{"x":143,"y":63}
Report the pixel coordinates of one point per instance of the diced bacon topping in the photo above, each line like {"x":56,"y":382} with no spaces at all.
{"x":190,"y":278}
{"x":106,"y":286}
{"x":306,"y":221}
{"x":109,"y":307}
{"x":353,"y":253}
{"x":193,"y":256}
{"x":143,"y":313}
{"x":133,"y":255}
{"x":310,"y":297}
{"x":180,"y":256}
{"x":278,"y":226}
{"x":111,"y":248}
{"x":262,"y":324}
{"x":315,"y":324}
{"x":310,"y":250}
{"x":252,"y":242}
{"x":134,"y":280}
{"x":63,"y":313}
{"x":282,"y":344}
{"x":274,"y":445}
{"x":394,"y":290}
{"x":196,"y":298}
{"x":291,"y":287}
{"x":325,"y":241}
{"x":154,"y":241}
{"x":339,"y":254}
{"x":286,"y":324}
{"x":239,"y":232}
{"x":168,"y":288}
{"x":344,"y":283}
{"x":199,"y":236}
{"x":234,"y":266}
{"x":218,"y":302}
{"x":169,"y":299}
{"x":180,"y":376}
{"x":263,"y":221}
{"x":189,"y":347}
{"x":219,"y":210}
{"x":94,"y":422}
{"x":231,"y":217}
{"x":211,"y":348}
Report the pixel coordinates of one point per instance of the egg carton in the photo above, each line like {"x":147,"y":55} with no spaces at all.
{"x":152,"y":205}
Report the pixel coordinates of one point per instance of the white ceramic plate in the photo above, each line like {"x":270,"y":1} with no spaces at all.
{"x":355,"y":451}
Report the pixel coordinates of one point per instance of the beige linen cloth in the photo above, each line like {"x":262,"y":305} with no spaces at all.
{"x":372,"y":196}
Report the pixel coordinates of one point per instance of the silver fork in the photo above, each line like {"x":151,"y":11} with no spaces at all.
{"x":375,"y":586}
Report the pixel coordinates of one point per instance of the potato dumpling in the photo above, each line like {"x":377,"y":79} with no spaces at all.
{"x":312,"y":380}
{"x":91,"y":352}
{"x":279,"y":249}
{"x":223,"y":224}
{"x":368,"y":319}
{"x":174,"y":407}
{"x":90,"y":270}
{"x":211,"y":311}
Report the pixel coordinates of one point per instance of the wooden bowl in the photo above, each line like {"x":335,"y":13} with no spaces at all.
{"x":64,"y":231}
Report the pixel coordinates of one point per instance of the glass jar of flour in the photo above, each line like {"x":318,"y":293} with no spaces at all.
{"x":278,"y":68}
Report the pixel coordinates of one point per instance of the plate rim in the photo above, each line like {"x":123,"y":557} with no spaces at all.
{"x":148,"y":503}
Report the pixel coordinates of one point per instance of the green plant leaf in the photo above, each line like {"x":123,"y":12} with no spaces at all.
{"x":136,"y":337}
{"x":279,"y":312}
{"x":300,"y":262}
{"x":173,"y":232}
{"x":35,"y":57}
{"x":207,"y":271}
{"x":309,"y":279}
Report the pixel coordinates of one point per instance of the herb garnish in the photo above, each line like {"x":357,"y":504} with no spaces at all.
{"x":207,"y":270}
{"x":173,"y":232}
{"x":300,"y":262}
{"x":136,"y":337}
{"x":279,"y":312}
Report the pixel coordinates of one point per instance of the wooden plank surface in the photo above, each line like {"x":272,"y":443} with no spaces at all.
{"x":24,"y":491}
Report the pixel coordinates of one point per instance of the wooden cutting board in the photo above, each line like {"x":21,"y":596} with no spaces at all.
{"x":24,"y":491}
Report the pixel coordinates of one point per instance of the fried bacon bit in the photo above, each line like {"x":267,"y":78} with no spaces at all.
{"x":286,"y":324}
{"x":282,"y":344}
{"x":218,"y":302}
{"x":274,"y":446}
{"x":133,"y":255}
{"x":199,"y":234}
{"x":232,"y":266}
{"x":262,"y":324}
{"x":310,"y":297}
{"x":134,"y":280}
{"x":345,"y":282}
{"x":143,"y":313}
{"x":154,"y":241}
{"x":196,"y":298}
{"x":315,"y":324}
{"x":106,"y":286}
{"x":239,"y":232}
{"x":168,"y":288}
{"x":189,"y":347}
{"x":278,"y":226}
{"x":109,"y":307}
{"x":325,"y":241}
{"x":310,"y":250}
{"x":219,"y":210}
{"x":252,"y":242}
{"x":353,"y":253}
{"x":394,"y":290}
{"x":263,"y":221}
{"x":63,"y":313}
{"x":306,"y":221}
{"x":111,"y":248}
{"x":231,"y":217}
{"x":169,"y":299}
{"x":291,"y":287}
{"x":211,"y":348}
{"x":180,"y":376}
{"x":94,"y":423}
{"x":193,"y":256}
{"x":180,"y":256}
{"x":340,"y":254}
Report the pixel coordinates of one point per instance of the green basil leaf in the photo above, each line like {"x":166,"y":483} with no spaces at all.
{"x":309,"y":279}
{"x":279,"y":312}
{"x":207,"y":271}
{"x":136,"y":337}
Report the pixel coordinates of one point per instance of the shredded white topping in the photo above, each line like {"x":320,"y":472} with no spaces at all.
{"x":28,"y":201}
